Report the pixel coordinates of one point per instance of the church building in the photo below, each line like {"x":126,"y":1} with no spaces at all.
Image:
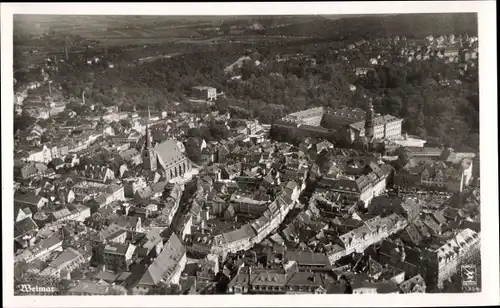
{"x":167,"y":157}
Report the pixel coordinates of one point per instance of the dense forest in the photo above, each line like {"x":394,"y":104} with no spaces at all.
{"x":368,"y":27}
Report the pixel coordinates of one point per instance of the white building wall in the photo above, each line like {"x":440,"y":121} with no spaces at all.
{"x":178,"y":271}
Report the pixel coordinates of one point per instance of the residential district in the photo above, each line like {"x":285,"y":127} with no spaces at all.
{"x":101,"y":208}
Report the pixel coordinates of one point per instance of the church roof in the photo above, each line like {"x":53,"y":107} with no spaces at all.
{"x":165,"y":264}
{"x":169,"y":152}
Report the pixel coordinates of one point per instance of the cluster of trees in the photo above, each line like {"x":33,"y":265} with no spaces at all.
{"x":285,"y":133}
{"x":449,"y":114}
{"x":23,"y":121}
{"x":213,"y":132}
{"x":382,"y":25}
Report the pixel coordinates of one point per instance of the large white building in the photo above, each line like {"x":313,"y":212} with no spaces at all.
{"x":310,"y":117}
{"x":204,"y":92}
{"x":385,"y":127}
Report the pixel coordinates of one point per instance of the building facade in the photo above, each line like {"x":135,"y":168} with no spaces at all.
{"x":166,"y":268}
{"x":204,"y":92}
{"x":446,"y":260}
{"x":310,"y":117}
{"x":384,"y":127}
{"x":118,"y":257}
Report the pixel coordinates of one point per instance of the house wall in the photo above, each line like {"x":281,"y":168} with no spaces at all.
{"x":176,"y":275}
{"x":334,"y":257}
{"x":393,"y":129}
{"x":243,"y":244}
{"x":410,"y":269}
{"x":120,"y":239}
{"x":83,"y":214}
{"x":73,"y":264}
{"x":399,"y":278}
{"x":367,"y":196}
{"x":379,"y":187}
{"x":371,"y":238}
{"x":37,"y":157}
{"x":199,"y":250}
{"x":43,"y":254}
{"x":208,"y":94}
{"x":176,"y":170}
{"x":119,"y":194}
{"x":402,"y":179}
{"x":364,"y":290}
{"x":187,"y":228}
{"x":389,"y":130}
{"x":273,"y":224}
{"x":432,"y":182}
{"x":115,"y":262}
{"x":22,"y":215}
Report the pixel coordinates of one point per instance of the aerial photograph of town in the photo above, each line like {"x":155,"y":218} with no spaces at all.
{"x":271,"y":154}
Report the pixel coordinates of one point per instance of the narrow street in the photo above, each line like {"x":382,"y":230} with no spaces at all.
{"x":184,"y":207}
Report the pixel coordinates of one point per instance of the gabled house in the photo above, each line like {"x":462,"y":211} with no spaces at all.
{"x":25,"y":231}
{"x":21,"y":213}
{"x":118,"y":257}
{"x":58,"y":163}
{"x":24,"y":171}
{"x":166,"y":268}
{"x":34,"y":203}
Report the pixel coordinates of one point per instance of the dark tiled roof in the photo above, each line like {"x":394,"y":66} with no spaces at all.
{"x":27,"y":198}
{"x":438,"y":215}
{"x":413,"y":234}
{"x":246,"y":231}
{"x":167,"y":261}
{"x":116,"y":248}
{"x":24,"y":226}
{"x":169,"y":152}
{"x":106,"y":276}
{"x":66,"y":256}
{"x":305,"y":279}
{"x":307,"y":258}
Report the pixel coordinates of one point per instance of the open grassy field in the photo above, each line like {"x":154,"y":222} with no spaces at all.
{"x":122,"y":28}
{"x":97,"y":27}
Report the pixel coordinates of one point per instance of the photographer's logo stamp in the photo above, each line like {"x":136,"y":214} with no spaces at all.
{"x":469,"y":278}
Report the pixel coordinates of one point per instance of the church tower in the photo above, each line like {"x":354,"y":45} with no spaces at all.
{"x":149,"y":160}
{"x":369,"y":123}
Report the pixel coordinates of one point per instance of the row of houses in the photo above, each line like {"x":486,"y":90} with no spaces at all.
{"x":249,"y":234}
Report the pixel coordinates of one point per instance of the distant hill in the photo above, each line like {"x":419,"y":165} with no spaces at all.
{"x":410,"y":25}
